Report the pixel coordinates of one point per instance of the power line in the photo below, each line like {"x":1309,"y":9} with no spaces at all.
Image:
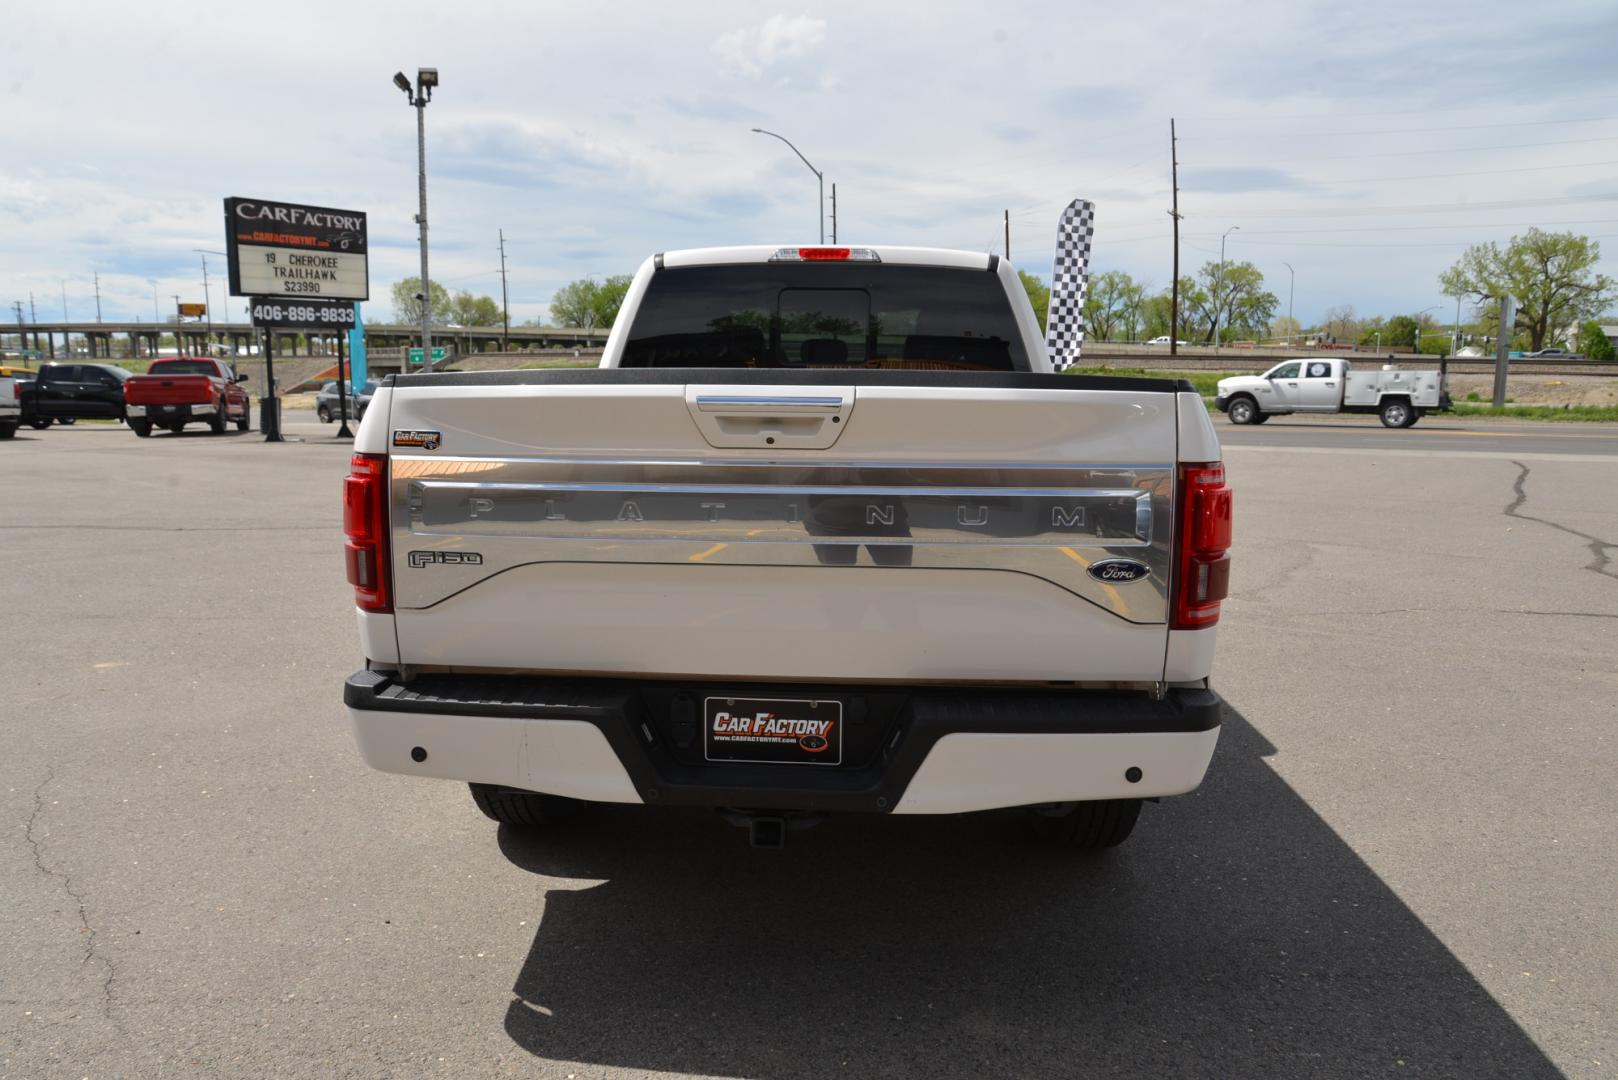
{"x":1420,"y":130}
{"x":1442,"y":150}
{"x":1446,"y":176}
{"x":1350,"y":244}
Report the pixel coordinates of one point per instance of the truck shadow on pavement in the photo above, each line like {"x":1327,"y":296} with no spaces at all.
{"x":1234,"y":935}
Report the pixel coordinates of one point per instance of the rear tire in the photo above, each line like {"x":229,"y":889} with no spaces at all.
{"x":526,"y":809}
{"x":1087,"y":826}
{"x":8,"y":429}
{"x":143,"y":428}
{"x":1397,"y":414}
{"x":40,"y":423}
{"x":323,"y":414}
{"x":216,"y":422}
{"x":68,"y":421}
{"x":244,"y":422}
{"x":1242,"y":410}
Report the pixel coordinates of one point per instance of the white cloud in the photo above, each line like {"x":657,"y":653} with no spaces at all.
{"x":931,"y":117}
{"x":749,"y":51}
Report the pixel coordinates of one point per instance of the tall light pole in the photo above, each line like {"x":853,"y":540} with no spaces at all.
{"x":426,"y":79}
{"x":1292,"y":284}
{"x":820,"y":176}
{"x":1218,"y":307}
{"x":1416,"y":342}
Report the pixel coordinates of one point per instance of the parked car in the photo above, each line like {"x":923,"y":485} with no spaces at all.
{"x":1163,"y":339}
{"x":185,"y":388}
{"x":327,"y":406}
{"x":1552,"y":354}
{"x":10,"y":407}
{"x":63,"y":393}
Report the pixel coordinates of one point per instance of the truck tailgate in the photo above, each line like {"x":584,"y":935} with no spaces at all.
{"x":168,"y":389}
{"x":837,"y":525}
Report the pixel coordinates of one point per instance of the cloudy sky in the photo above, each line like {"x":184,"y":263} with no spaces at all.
{"x":1364,"y":144}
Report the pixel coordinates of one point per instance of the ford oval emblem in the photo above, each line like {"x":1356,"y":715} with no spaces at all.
{"x":1119,"y":571}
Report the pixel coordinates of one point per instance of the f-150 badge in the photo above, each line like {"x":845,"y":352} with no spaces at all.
{"x":418,"y":559}
{"x":427,"y":440}
{"x":1118,"y":571}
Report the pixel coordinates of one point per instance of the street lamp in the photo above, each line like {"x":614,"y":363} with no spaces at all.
{"x":820,"y":176}
{"x":1416,"y":341}
{"x":1221,"y":286}
{"x":426,"y":79}
{"x":1292,"y":284}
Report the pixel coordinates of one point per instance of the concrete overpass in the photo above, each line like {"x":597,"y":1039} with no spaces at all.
{"x":130,"y":340}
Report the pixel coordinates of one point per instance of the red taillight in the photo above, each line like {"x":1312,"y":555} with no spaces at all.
{"x":822,"y":254}
{"x":1202,"y":545}
{"x":365,"y":528}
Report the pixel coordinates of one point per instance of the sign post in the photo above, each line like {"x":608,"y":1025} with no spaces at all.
{"x":289,"y":257}
{"x":275,"y":313}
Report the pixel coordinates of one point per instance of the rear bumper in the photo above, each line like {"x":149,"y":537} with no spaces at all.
{"x":922,"y":751}
{"x":189,"y":411}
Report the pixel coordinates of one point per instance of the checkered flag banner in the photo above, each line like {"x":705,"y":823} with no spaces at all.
{"x":1070,"y":281}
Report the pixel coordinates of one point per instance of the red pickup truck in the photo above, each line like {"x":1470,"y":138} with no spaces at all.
{"x":186,"y":388}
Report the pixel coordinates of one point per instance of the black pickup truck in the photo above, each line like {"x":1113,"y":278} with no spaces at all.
{"x":63,"y":393}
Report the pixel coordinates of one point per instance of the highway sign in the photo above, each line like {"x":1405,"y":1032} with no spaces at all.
{"x":439,"y":352}
{"x":290,"y":250}
{"x":193,"y":311}
{"x":282,"y":313}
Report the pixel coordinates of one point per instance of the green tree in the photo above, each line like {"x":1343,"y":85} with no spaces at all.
{"x":407,"y":306}
{"x":1236,"y":295}
{"x":468,"y":310}
{"x":1399,"y":332}
{"x":1552,"y":276}
{"x":1038,"y":295}
{"x":1594,"y":343}
{"x":1112,"y":305}
{"x":1154,"y":315}
{"x":589,"y":304}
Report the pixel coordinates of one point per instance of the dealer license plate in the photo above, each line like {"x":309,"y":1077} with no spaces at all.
{"x":793,"y":731}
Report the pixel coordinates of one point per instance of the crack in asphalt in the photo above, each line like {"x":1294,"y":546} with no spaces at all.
{"x":1600,"y":561}
{"x":37,"y":846}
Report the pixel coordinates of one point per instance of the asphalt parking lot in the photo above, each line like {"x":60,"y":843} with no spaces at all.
{"x":1402,"y":862}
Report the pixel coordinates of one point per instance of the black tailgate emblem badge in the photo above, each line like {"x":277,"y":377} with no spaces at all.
{"x":1119,"y":571}
{"x":419,"y":559}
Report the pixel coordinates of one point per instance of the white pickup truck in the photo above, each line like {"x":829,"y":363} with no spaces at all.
{"x":823,"y":533}
{"x":1328,"y":384}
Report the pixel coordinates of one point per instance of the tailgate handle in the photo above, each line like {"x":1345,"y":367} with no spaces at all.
{"x":769,"y":404}
{"x":737,"y":415}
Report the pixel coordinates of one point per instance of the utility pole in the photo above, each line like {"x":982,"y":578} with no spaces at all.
{"x":98,"y":295}
{"x":1292,"y":284}
{"x":207,"y":302}
{"x":33,"y":316}
{"x":834,"y":212}
{"x":1174,"y":301}
{"x":1218,"y":310}
{"x":1502,"y":348}
{"x":1008,"y":234}
{"x":505,"y":302}
{"x":64,"y":306}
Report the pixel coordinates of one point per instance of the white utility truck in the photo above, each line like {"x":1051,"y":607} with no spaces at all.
{"x":1328,"y":384}
{"x":823,"y":533}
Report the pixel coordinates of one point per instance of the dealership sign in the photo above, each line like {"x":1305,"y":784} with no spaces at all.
{"x":276,"y":313}
{"x":294,"y":251}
